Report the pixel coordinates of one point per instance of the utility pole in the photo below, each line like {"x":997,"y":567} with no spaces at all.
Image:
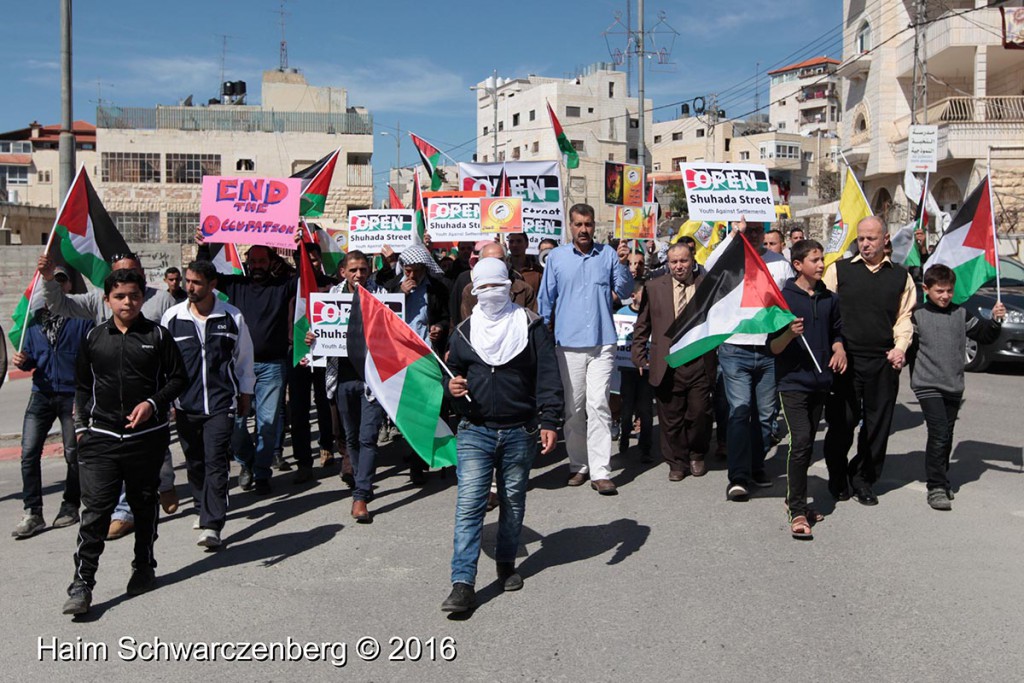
{"x":66,"y":143}
{"x":491,"y":88}
{"x":640,"y":149}
{"x":284,"y":43}
{"x":757,"y":88}
{"x":919,"y":97}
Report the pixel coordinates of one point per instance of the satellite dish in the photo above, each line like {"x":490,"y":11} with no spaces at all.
{"x":187,"y":102}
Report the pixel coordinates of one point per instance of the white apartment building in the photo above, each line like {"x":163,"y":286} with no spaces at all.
{"x":805,"y":97}
{"x":151,"y":160}
{"x":975,"y":95}
{"x":594,"y":110}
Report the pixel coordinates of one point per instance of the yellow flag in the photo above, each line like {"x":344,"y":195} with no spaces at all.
{"x":853,"y":208}
{"x":706,"y":235}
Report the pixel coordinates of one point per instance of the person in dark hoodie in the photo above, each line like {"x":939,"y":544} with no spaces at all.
{"x":941,"y":330}
{"x":507,"y":391}
{"x":804,"y":370}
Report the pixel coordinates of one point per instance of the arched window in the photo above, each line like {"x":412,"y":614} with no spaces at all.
{"x":864,"y":38}
{"x":860,"y":125}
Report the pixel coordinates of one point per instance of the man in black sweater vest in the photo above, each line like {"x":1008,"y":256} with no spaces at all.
{"x":876,"y":299}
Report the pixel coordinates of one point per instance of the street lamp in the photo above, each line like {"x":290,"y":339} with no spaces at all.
{"x":398,"y":142}
{"x":491,"y":86}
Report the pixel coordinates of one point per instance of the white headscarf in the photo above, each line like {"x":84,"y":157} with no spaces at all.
{"x":498,"y":327}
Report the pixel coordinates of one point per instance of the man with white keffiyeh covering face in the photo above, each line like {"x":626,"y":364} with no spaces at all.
{"x":507,"y":392}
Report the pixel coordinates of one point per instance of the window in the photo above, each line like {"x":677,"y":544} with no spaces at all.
{"x":501,"y":155}
{"x":486,"y":130}
{"x":590,"y":110}
{"x":782,"y":103}
{"x":864,"y":38}
{"x":515,"y":153}
{"x":137,"y":226}
{"x":43,"y":177}
{"x":633,"y":154}
{"x":677,"y":136}
{"x":656,"y":166}
{"x":190,"y":168}
{"x":501,"y":126}
{"x":572,"y":112}
{"x":577,"y":145}
{"x":700,"y":132}
{"x":16,"y":147}
{"x":634,"y":123}
{"x":744,"y":156}
{"x":535,"y":147}
{"x":676,"y":161}
{"x":861,"y":125}
{"x":782,"y":125}
{"x":657,"y":139}
{"x":611,"y":88}
{"x":245,"y":165}
{"x":16,"y":175}
{"x":533,"y":114}
{"x":808,"y":156}
{"x":181,"y":227}
{"x":515,"y":120}
{"x":611,"y":157}
{"x":129,"y":167}
{"x":780,"y":151}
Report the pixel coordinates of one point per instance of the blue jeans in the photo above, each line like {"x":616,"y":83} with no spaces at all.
{"x":40,"y":413}
{"x":268,"y":405}
{"x":362,"y":419}
{"x":749,"y":378}
{"x":483,"y":451}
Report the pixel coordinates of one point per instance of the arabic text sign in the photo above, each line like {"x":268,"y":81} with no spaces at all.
{"x":728,"y":192}
{"x":370,"y":230}
{"x":329,"y":320}
{"x":250,"y":210}
{"x":923,"y":149}
{"x":454,"y":220}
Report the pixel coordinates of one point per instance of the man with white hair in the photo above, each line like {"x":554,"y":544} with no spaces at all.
{"x":507,"y":391}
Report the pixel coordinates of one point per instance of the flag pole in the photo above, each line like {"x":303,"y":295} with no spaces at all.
{"x":924,"y":210}
{"x":995,"y":232}
{"x":811,"y":354}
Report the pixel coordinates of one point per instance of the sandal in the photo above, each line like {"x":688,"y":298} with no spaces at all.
{"x":801,"y":528}
{"x":813,"y":516}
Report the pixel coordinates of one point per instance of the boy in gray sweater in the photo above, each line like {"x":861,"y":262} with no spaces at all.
{"x":941,"y":329}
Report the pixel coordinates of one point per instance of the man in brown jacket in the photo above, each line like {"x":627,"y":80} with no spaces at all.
{"x":684,"y":393}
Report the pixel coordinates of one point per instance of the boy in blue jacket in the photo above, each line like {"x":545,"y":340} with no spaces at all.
{"x":50,"y":347}
{"x":803,"y":381}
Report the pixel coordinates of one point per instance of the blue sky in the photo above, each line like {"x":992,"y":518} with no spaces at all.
{"x":409,"y":62}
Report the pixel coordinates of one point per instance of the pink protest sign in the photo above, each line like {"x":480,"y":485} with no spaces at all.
{"x":250,"y":210}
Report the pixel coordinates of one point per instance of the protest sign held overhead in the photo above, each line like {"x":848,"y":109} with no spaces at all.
{"x":370,"y":230}
{"x":501,"y":214}
{"x":623,"y":184}
{"x":454,"y":219}
{"x":537,"y":183}
{"x":728,"y":192}
{"x":250,"y":210}
{"x":632,"y":223}
{"x":328,"y":318}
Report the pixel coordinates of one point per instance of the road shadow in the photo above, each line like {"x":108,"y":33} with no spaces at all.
{"x":904,"y":418}
{"x":968,"y":462}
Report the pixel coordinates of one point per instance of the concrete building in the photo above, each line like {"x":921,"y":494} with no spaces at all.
{"x":805,"y":98}
{"x":975,"y":95}
{"x":152,"y":160}
{"x":594,"y":110}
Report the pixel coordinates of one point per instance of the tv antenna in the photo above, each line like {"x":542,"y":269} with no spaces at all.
{"x":284,"y":42}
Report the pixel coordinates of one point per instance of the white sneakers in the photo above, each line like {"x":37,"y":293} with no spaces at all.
{"x":209,"y":538}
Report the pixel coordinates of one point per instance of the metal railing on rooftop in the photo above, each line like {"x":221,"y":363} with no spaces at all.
{"x":994,"y":109}
{"x":239,"y":120}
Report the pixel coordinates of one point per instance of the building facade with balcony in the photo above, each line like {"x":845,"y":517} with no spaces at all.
{"x":975,"y":95}
{"x":594,"y":110}
{"x":805,"y":98}
{"x":151,"y":160}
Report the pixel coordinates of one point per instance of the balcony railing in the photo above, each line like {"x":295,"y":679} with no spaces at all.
{"x":360,"y":175}
{"x":953,"y":110}
{"x":235,"y":119}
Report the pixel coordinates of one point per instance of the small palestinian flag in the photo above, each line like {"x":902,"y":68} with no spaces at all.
{"x":300,"y":321}
{"x":394,"y":202}
{"x":30,"y":302}
{"x":572,"y":157}
{"x":226,"y":260}
{"x":418,"y":207}
{"x":504,"y":187}
{"x":402,"y":373}
{"x":316,"y":182}
{"x":969,"y":244}
{"x":904,"y":242}
{"x":331,"y":253}
{"x":88,"y":236}
{"x":431,"y":157}
{"x":737,"y":296}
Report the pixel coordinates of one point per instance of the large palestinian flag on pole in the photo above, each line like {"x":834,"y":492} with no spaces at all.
{"x":404,"y":376}
{"x":300,"y":321}
{"x":88,"y":236}
{"x":418,"y":208}
{"x":969,"y":244}
{"x":431,"y":158}
{"x":737,"y":296}
{"x":316,"y":182}
{"x":572,"y":157}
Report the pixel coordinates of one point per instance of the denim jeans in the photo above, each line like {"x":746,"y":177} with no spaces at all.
{"x":268,"y":405}
{"x":749,"y":380}
{"x":362,"y":419}
{"x":482,"y":452}
{"x":40,"y":413}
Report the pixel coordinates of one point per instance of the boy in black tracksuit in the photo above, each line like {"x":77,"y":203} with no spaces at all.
{"x":803,"y":386}
{"x":128,"y":372}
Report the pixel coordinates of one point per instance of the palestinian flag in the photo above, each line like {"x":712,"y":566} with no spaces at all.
{"x":331,"y":253}
{"x":226,"y":260}
{"x":30,"y":302}
{"x":418,"y":207}
{"x":404,"y":376}
{"x":394,"y":202}
{"x":572,"y":157}
{"x":431,"y":157}
{"x":969,"y":244}
{"x":504,"y":187}
{"x":316,"y":181}
{"x":300,"y":321}
{"x":737,"y":296}
{"x":904,"y":242}
{"x":88,"y":236}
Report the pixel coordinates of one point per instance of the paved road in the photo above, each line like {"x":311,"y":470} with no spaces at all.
{"x":667,"y":581}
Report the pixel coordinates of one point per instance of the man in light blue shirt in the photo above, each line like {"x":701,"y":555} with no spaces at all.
{"x":576,"y":292}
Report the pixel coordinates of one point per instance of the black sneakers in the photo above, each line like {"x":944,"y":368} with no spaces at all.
{"x":245,"y":479}
{"x":508,"y":576}
{"x":461,"y":599}
{"x":66,"y":516}
{"x":79,"y":599}
{"x":142,"y":581}
{"x":262,"y":487}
